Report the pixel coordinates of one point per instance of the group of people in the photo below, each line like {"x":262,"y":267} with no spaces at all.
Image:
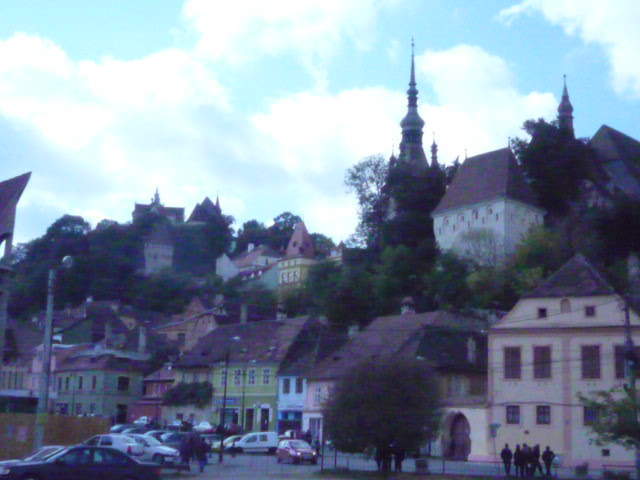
{"x":193,"y":446}
{"x":383,"y":457}
{"x":526,"y":460}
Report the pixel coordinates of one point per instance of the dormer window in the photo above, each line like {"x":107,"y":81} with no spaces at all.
{"x":590,"y":311}
{"x":542,"y":313}
{"x":565,"y":305}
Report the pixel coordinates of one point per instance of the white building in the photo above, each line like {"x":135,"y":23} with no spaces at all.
{"x":564,"y":338}
{"x":487,"y":209}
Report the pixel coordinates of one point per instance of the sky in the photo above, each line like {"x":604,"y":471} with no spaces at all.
{"x":267,"y":104}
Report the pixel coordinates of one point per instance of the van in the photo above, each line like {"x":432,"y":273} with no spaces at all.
{"x":258,"y":442}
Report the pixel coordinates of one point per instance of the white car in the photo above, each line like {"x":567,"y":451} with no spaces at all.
{"x":142,"y":421}
{"x":203,"y":426}
{"x":155,"y":451}
{"x":124,"y":443}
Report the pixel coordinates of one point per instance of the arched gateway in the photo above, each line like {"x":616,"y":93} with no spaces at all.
{"x":456,"y":440}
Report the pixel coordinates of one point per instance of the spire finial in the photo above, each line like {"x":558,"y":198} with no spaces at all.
{"x":156,"y":197}
{"x":412,"y":81}
{"x":565,"y":110}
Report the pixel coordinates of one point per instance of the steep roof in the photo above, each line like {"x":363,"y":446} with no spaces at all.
{"x":164,"y":374}
{"x":619,"y":155}
{"x":204,"y":211}
{"x":486,"y":177}
{"x":249,"y":258}
{"x":10,"y":192}
{"x":264,"y":342}
{"x":384,"y":337}
{"x":300,"y":243}
{"x":576,"y":278}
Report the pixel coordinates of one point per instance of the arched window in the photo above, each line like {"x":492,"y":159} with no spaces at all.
{"x":565,"y":305}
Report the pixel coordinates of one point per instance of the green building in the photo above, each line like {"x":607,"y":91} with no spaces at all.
{"x":99,"y":382}
{"x":245,"y":358}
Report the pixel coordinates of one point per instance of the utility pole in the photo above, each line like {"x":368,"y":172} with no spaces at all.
{"x":631,"y":363}
{"x":224,"y":405}
{"x":43,"y":394}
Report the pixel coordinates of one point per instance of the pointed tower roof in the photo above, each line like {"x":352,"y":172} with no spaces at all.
{"x":576,"y":278}
{"x":300,"y":243}
{"x":204,"y":211}
{"x":565,"y":111}
{"x":10,"y":192}
{"x":434,"y":153}
{"x":411,"y":151}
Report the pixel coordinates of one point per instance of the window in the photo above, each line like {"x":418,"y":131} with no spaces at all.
{"x":59,"y":384}
{"x":565,"y":305}
{"x":94,"y":382}
{"x":590,"y":415}
{"x":318,"y":395}
{"x":223,"y":378}
{"x":542,"y":362}
{"x":92,"y":408}
{"x":66,"y":383}
{"x":543,"y":414}
{"x":512,"y":363}
{"x":621,"y":364}
{"x":299,"y":385}
{"x":78,"y":408}
{"x":590,"y":311}
{"x":123,"y":384}
{"x":542,"y":313}
{"x":286,"y":385}
{"x":266,"y":376}
{"x":237,"y":376}
{"x":590,"y":356}
{"x":252,"y":376}
{"x":513,"y":414}
{"x":80,"y":382}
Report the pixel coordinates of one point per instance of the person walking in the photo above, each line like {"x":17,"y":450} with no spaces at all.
{"x":526,"y":460}
{"x":185,"y":451}
{"x":506,"y":456}
{"x":398,"y":457}
{"x":517,"y":461}
{"x":201,"y":450}
{"x":547,"y":458}
{"x":536,"y":465}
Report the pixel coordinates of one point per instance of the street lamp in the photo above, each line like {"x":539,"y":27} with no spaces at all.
{"x":224,"y":399}
{"x":45,"y":374}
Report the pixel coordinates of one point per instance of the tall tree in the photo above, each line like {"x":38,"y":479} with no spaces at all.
{"x":367,"y":179}
{"x":387,"y":402}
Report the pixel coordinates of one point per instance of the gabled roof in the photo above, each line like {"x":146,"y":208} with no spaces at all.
{"x":486,"y":177}
{"x":619,"y":155}
{"x":10,"y":192}
{"x":387,"y":336}
{"x":300,"y":243}
{"x":576,"y":278}
{"x":249,"y":258}
{"x":204,"y":211}
{"x":268,"y":341}
{"x":164,"y":374}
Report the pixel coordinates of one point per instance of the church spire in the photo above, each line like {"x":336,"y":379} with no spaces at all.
{"x":565,"y":112}
{"x":434,"y":152}
{"x":411,"y":151}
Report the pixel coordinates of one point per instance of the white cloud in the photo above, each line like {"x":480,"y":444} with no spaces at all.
{"x":613,"y":25}
{"x":477,"y":103}
{"x":312,"y":29}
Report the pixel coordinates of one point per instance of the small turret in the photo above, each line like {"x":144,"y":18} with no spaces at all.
{"x":565,"y":113}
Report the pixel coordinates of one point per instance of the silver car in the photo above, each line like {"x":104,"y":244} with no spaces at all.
{"x":155,"y":451}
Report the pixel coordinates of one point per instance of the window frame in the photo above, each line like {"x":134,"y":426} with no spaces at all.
{"x":590,"y":368}
{"x":542,"y":368}
{"x":543,"y":414}
{"x":512,"y":414}
{"x":512,"y":370}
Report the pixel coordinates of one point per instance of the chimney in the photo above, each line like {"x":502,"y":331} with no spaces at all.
{"x":244,"y":313}
{"x":142,"y":339}
{"x":280,"y":313}
{"x":108,"y":334}
{"x":406,"y":306}
{"x":250,"y":247}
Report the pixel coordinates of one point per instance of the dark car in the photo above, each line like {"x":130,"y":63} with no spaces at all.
{"x":296,"y":451}
{"x":41,"y":454}
{"x":82,"y":463}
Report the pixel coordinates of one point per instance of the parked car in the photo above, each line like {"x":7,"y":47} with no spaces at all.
{"x":118,"y":427}
{"x":258,"y":442}
{"x":136,"y":429}
{"x":204,"y":427}
{"x":155,"y":451}
{"x":173,"y":439}
{"x":119,"y":441}
{"x":142,"y":421}
{"x":82,"y":462}
{"x":156,"y":433}
{"x":296,"y":451}
{"x":40,"y":454}
{"x":228,"y":444}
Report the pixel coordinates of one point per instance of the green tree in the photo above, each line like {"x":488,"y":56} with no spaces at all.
{"x":389,"y":401}
{"x":555,"y":164}
{"x":281,"y":230}
{"x":367,"y":180}
{"x":252,"y":231}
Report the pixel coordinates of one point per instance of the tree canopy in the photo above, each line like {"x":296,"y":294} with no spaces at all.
{"x":382,"y":403}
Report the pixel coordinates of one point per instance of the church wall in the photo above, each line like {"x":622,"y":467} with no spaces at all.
{"x":157,"y":257}
{"x":519,"y":219}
